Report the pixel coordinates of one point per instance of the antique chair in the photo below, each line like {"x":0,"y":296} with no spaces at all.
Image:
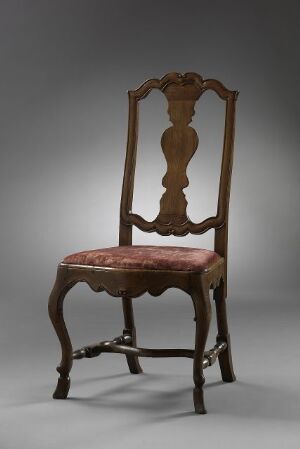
{"x":128,"y":271}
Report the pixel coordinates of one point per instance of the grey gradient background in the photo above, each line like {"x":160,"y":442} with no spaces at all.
{"x":65,"y":69}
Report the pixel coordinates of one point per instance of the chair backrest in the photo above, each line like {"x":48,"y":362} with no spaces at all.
{"x":179,"y":143}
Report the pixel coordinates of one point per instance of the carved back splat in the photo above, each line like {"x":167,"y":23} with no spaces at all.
{"x":179,"y":143}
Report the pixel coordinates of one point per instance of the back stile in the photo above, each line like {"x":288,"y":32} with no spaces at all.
{"x":125,"y":235}
{"x":221,"y":234}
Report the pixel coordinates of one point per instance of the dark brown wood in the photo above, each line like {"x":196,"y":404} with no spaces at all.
{"x":125,"y":238}
{"x":179,"y":143}
{"x":172,"y":80}
{"x":55,"y":308}
{"x":132,"y":360}
{"x":123,"y":345}
{"x":201,"y":300}
{"x":225,"y":359}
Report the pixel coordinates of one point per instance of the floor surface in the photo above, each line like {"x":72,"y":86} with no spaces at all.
{"x":109,"y":408}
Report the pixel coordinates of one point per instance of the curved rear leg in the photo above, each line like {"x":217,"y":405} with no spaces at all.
{"x":225,"y":359}
{"x":200,"y":297}
{"x":132,"y":361}
{"x":55,"y":307}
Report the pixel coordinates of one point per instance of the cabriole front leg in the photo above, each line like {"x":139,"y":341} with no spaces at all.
{"x":202,"y":307}
{"x":55,"y":307}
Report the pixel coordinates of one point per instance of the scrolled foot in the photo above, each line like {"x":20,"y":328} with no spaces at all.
{"x":198,"y":401}
{"x":62,"y":389}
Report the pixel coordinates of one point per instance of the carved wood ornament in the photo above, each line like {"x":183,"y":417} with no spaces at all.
{"x":179,"y":144}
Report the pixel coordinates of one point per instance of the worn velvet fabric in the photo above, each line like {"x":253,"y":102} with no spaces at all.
{"x":147,"y":257}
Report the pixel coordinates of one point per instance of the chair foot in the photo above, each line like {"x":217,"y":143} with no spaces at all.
{"x":62,"y":388}
{"x":134,"y":365}
{"x":225,"y":361}
{"x":198,"y":401}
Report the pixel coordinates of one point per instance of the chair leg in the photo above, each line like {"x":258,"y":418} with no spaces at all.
{"x":225,"y":359}
{"x":132,"y":361}
{"x":55,"y":308}
{"x":202,"y":307}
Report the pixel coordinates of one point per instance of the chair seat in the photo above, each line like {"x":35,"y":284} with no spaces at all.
{"x":147,"y":257}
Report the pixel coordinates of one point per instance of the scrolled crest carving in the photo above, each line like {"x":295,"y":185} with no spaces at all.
{"x":183,"y":79}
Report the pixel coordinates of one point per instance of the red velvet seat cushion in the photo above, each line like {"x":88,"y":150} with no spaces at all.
{"x":147,"y":257}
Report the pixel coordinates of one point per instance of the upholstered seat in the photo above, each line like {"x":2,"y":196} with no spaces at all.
{"x":147,"y":257}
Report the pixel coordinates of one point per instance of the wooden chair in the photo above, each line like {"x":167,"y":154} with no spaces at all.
{"x":128,"y":271}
